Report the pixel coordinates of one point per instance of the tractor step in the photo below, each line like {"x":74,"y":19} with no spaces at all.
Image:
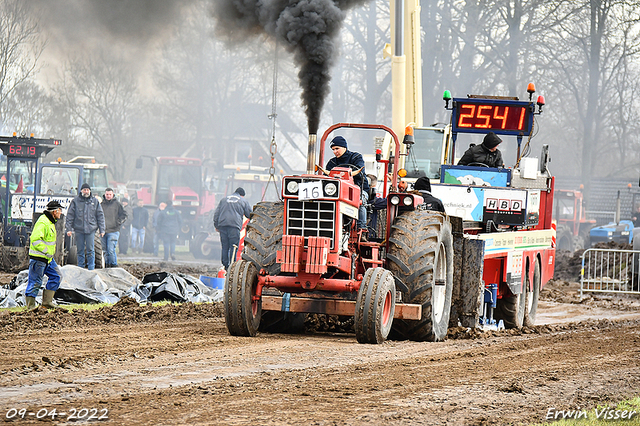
{"x":286,"y":303}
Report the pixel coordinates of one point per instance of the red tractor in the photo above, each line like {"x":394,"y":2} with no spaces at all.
{"x":304,"y":255}
{"x":179,"y":180}
{"x":572,"y":225}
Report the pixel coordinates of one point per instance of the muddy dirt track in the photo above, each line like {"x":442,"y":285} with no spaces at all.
{"x":178,"y":365}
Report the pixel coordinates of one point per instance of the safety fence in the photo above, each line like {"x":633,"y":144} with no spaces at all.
{"x":610,"y":271}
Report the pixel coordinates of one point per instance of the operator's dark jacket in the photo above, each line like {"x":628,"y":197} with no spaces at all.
{"x":230,"y":211}
{"x":351,"y":158}
{"x":114,"y":215}
{"x":85,"y":215}
{"x":431,"y":202}
{"x":481,"y":154}
{"x":169,"y":222}
{"x":140,"y":218}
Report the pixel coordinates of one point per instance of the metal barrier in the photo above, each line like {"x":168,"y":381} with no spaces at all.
{"x":610,"y":271}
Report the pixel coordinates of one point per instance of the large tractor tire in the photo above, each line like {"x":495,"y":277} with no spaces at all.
{"x":241,"y":312}
{"x":202,"y":247}
{"x":421,"y":256}
{"x":564,"y":238}
{"x":264,"y":236}
{"x":375,"y":306}
{"x":262,"y":240}
{"x":99,"y":252}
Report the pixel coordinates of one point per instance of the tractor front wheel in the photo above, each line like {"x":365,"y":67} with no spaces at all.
{"x":242,"y":304}
{"x":375,"y":306}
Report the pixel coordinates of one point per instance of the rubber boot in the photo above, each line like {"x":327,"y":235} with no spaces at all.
{"x":31,"y":304}
{"x":47,"y":299}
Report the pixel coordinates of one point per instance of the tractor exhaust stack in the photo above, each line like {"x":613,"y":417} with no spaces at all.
{"x":311,"y":154}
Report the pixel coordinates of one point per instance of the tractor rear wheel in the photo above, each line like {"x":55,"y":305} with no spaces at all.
{"x":264,"y":236}
{"x":564,"y":238}
{"x":99,"y":251}
{"x":421,"y":256}
{"x":202,"y":247}
{"x":375,"y":306}
{"x":242,"y":310}
{"x":262,"y":240}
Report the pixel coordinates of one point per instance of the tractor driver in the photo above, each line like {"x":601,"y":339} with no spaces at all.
{"x":486,"y":153}
{"x":343,"y":157}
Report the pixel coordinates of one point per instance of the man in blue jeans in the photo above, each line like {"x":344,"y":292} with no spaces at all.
{"x":84,"y":217}
{"x":227,"y":219}
{"x":114,"y":217}
{"x":41,"y":250}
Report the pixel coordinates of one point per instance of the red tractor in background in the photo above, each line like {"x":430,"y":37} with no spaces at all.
{"x":572,"y":226}
{"x":179,"y":180}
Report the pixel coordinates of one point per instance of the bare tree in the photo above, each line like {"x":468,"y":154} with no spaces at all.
{"x":21,"y":45}
{"x":101,"y":98}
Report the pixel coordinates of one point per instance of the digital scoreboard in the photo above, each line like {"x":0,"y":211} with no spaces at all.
{"x":501,"y":116}
{"x":24,"y":147}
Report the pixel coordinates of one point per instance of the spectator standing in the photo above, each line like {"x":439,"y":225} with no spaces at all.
{"x":139,"y":226}
{"x":84,"y":217}
{"x":156,"y":238}
{"x":114,"y":217}
{"x":41,"y":251}
{"x":125,"y":230}
{"x":169,"y":223}
{"x":227,"y":219}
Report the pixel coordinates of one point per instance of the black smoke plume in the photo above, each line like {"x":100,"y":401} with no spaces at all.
{"x":307,"y":28}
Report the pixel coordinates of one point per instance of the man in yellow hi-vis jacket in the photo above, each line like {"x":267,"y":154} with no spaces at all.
{"x":41,"y":251}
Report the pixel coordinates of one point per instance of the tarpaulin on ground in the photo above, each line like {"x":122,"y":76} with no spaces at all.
{"x":175,"y":287}
{"x":79,"y":285}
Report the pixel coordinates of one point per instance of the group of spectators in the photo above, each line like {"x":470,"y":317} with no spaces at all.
{"x":117,"y":224}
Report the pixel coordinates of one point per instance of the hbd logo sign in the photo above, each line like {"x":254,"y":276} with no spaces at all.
{"x":503,"y":205}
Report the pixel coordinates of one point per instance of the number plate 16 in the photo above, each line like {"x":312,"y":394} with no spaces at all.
{"x":310,"y":190}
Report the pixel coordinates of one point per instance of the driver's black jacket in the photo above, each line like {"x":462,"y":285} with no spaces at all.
{"x":480,"y":154}
{"x":351,"y":158}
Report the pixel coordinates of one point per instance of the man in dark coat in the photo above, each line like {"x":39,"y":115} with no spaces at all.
{"x":343,"y":157}
{"x":227,"y":219}
{"x":125,"y":230}
{"x":169,"y":223}
{"x":84,"y":217}
{"x":486,"y":153}
{"x":139,"y":226}
{"x":114,"y":217}
{"x":423,"y":186}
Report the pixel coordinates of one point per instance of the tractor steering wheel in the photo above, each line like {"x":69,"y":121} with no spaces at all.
{"x":478,"y":164}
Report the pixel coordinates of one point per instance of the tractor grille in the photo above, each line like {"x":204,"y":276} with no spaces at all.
{"x":311,"y":219}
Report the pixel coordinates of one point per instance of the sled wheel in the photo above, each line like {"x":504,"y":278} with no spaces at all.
{"x":532,"y":297}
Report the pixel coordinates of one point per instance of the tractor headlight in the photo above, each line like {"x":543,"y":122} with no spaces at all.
{"x":395,"y":200}
{"x":407,"y":201}
{"x":292,"y":187}
{"x":330,"y":189}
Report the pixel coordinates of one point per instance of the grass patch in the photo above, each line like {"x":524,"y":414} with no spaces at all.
{"x":602,"y":414}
